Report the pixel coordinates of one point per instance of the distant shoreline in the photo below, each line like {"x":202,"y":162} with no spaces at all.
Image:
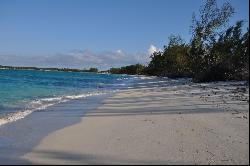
{"x":51,"y":69}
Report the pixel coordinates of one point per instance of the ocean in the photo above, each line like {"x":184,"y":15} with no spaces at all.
{"x":25,"y":91}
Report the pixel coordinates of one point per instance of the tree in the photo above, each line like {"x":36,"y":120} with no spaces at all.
{"x":175,"y":57}
{"x":114,"y":70}
{"x":232,"y":51}
{"x":132,"y":70}
{"x":95,"y":70}
{"x":205,"y":30}
{"x":172,"y":62}
{"x":230,"y":56}
{"x":156,"y":65}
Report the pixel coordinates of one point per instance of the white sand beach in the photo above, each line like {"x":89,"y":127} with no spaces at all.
{"x":154,"y":123}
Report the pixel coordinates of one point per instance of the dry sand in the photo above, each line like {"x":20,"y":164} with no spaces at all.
{"x":153,"y":123}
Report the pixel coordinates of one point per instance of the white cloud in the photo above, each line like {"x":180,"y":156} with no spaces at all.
{"x":153,"y":49}
{"x":78,"y":59}
{"x":119,"y":51}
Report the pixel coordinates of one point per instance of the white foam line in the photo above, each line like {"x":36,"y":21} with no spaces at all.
{"x":40,"y":105}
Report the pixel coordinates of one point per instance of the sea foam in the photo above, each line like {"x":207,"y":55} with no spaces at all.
{"x":44,"y":103}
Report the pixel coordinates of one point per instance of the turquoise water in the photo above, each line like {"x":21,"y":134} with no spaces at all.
{"x":22,"y":90}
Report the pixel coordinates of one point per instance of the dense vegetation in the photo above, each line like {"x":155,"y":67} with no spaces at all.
{"x":132,"y":70}
{"x":215,"y":52}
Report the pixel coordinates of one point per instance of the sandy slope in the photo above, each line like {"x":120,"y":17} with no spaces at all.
{"x":153,"y":123}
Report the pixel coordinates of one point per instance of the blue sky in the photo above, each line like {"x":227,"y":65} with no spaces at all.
{"x":101,"y":33}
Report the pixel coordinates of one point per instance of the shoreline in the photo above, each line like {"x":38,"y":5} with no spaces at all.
{"x":154,"y":122}
{"x":44,"y":103}
{"x":19,"y":137}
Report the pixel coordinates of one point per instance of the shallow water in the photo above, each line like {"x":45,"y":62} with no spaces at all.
{"x":38,"y":103}
{"x":19,"y":137}
{"x":25,"y":91}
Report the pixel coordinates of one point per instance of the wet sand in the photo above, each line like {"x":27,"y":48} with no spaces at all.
{"x":19,"y":137}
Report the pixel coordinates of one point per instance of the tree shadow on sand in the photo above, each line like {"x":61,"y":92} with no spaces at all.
{"x":74,"y":158}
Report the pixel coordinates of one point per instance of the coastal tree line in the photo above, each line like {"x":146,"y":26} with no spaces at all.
{"x":215,"y":51}
{"x":94,"y":70}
